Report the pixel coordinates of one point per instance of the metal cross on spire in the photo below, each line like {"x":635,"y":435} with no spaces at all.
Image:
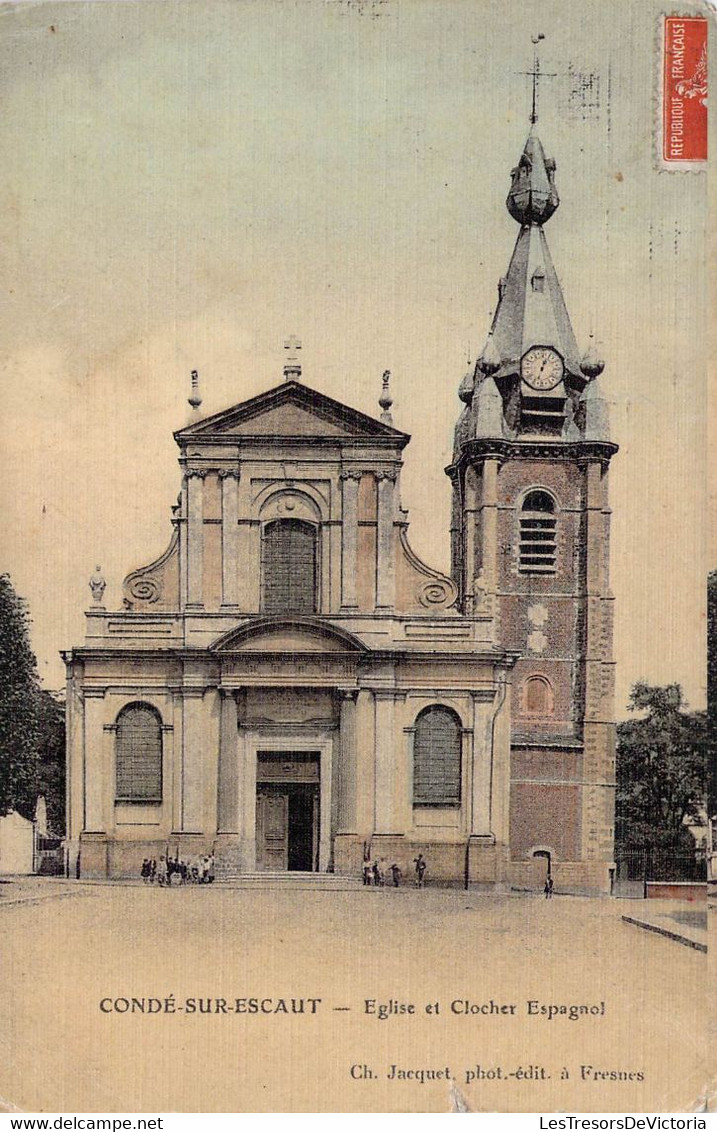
{"x":536,"y":75}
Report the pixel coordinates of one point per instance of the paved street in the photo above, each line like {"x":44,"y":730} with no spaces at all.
{"x":74,"y":956}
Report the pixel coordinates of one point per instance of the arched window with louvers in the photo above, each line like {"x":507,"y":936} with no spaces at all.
{"x":289,"y":567}
{"x":138,"y":757}
{"x":437,"y":758}
{"x":538,"y":528}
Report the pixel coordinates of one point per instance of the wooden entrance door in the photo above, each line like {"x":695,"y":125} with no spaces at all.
{"x":272,"y":830}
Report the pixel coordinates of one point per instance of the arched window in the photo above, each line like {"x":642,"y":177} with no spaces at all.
{"x":288,"y":567}
{"x":437,"y":758}
{"x":139,"y":755}
{"x":537,"y":534}
{"x":537,"y":696}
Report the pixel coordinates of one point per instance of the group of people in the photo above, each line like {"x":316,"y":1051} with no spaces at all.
{"x":163,"y":871}
{"x":375,"y":872}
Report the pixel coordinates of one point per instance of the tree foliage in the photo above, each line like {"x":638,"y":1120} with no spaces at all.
{"x":661,"y":765}
{"x":19,"y":706}
{"x":51,"y":759}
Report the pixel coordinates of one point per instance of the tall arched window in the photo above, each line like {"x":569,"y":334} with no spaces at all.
{"x":139,"y":755}
{"x":288,"y":567}
{"x":537,"y":534}
{"x":437,"y":758}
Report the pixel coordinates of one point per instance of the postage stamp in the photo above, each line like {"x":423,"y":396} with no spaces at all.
{"x":684,"y":93}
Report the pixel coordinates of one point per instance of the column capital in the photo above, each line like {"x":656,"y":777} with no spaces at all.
{"x":229,"y":474}
{"x":389,"y":474}
{"x":227,"y":693}
{"x":196,"y":473}
{"x":350,"y":474}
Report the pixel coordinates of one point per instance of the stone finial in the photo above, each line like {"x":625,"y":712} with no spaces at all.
{"x":292,"y":365}
{"x":467,"y":385}
{"x":591,"y":363}
{"x":386,"y":400}
{"x":489,"y":361}
{"x":97,"y":587}
{"x":195,"y":397}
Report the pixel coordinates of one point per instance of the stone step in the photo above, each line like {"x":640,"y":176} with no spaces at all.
{"x":286,"y":880}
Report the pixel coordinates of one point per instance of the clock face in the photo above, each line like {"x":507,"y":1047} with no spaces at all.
{"x":541,"y":368}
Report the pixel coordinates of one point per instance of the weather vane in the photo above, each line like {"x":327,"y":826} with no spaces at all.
{"x":536,"y":75}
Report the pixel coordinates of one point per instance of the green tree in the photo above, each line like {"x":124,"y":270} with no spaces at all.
{"x":19,"y":707}
{"x":51,"y":758}
{"x":661,"y":765}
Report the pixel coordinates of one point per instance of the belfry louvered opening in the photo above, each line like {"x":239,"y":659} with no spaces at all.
{"x":288,"y":566}
{"x":537,"y":534}
{"x":139,"y":755}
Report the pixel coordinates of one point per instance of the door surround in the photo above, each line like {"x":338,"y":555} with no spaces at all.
{"x":275,"y":739}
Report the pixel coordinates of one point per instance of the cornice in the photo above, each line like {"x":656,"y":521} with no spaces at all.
{"x":578,"y":451}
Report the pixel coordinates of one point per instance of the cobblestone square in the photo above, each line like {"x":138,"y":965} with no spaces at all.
{"x":227,"y":1014}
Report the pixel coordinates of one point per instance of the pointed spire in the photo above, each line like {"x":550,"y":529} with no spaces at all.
{"x":532,"y":310}
{"x":195,"y":397}
{"x":386,"y":400}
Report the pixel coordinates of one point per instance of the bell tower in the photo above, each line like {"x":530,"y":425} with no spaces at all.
{"x":530,"y":545}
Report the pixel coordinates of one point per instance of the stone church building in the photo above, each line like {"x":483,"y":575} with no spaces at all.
{"x":291,"y":688}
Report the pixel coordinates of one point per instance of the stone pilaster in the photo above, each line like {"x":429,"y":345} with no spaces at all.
{"x":193,"y":740}
{"x":480,"y":743}
{"x":365,"y":761}
{"x":469,"y":553}
{"x":247,"y":799}
{"x":195,"y":539}
{"x":347,"y":778}
{"x":385,"y":548}
{"x":96,"y":761}
{"x":489,"y":524}
{"x":386,"y":818}
{"x":349,"y":539}
{"x":230,"y":538}
{"x":228,"y":775}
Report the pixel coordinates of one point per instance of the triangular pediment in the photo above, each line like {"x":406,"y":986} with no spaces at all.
{"x":288,"y":635}
{"x":292,"y":410}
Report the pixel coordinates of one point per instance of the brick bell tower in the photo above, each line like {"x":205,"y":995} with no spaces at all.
{"x":530,"y":544}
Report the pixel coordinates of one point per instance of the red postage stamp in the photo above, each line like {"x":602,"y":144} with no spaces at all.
{"x":684,"y":91}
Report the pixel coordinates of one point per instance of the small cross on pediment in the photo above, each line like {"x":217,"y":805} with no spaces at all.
{"x":292,"y":365}
{"x":292,"y":345}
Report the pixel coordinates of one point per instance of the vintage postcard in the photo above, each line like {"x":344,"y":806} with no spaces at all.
{"x":355,"y":360}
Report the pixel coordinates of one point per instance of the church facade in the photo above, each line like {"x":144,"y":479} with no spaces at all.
{"x":292,"y":689}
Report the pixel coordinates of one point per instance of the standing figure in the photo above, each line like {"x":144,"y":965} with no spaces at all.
{"x":396,"y":874}
{"x":420,"y":864}
{"x":367,"y":872}
{"x":162,"y":874}
{"x":548,"y":890}
{"x":97,"y":587}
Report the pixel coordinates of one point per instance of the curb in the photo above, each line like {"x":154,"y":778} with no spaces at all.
{"x":665,"y":932}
